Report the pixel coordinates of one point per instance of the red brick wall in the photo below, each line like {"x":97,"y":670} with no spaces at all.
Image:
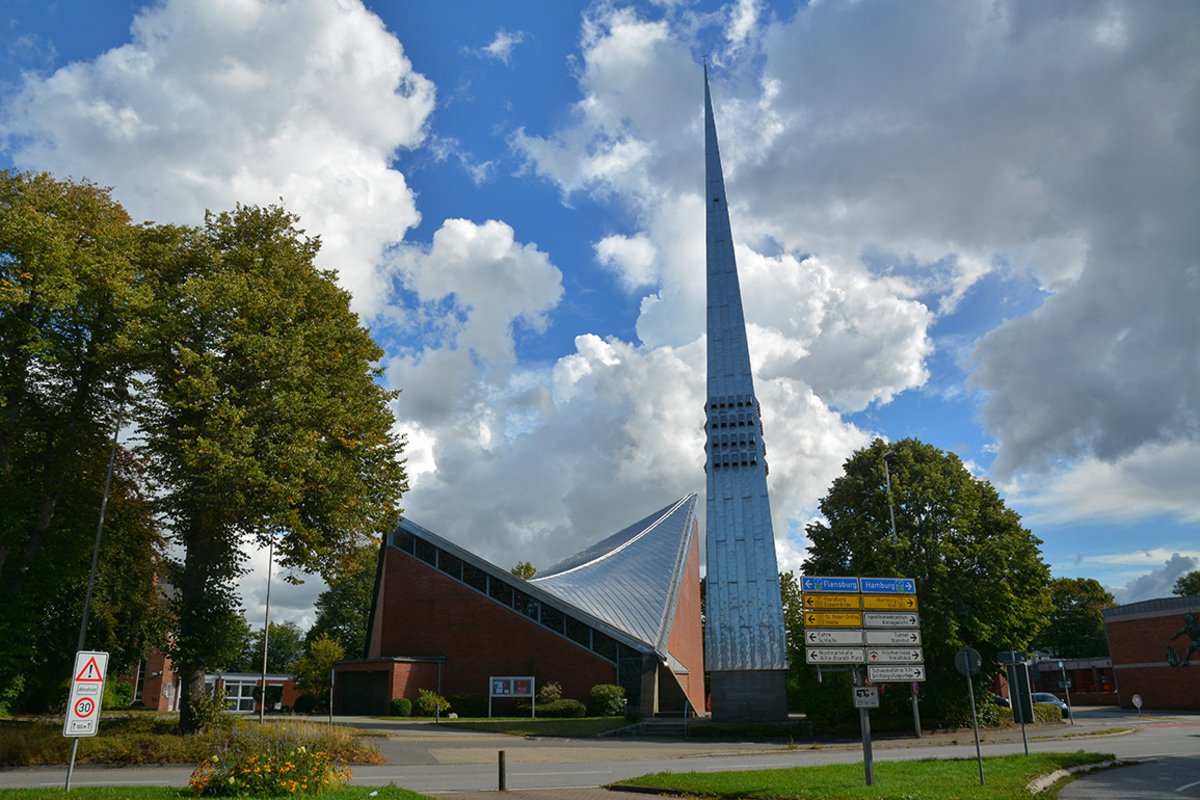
{"x":687,"y":641}
{"x":158,"y":683}
{"x":426,"y":613}
{"x":409,"y":678}
{"x":1139,"y":649}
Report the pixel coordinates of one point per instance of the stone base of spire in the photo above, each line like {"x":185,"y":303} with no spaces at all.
{"x":748,"y":695}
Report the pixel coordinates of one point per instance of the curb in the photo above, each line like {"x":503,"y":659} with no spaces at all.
{"x":1043,"y":783}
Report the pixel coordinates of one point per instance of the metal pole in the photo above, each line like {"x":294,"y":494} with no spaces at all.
{"x":1025,"y":707}
{"x":1067,"y":689}
{"x":975,"y":725}
{"x":87,"y":597}
{"x":887,"y":477}
{"x":864,"y":720}
{"x":331,"y":676}
{"x":503,"y":782}
{"x":262,"y":704}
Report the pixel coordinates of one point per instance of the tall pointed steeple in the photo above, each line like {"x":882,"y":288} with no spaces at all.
{"x":745,"y":645}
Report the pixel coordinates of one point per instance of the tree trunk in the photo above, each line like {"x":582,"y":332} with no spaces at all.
{"x":191,"y":684}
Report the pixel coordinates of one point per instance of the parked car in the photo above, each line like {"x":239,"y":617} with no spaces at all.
{"x":1049,"y":699}
{"x":1001,"y":700}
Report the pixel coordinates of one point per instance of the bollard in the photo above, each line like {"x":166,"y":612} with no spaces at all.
{"x":503,"y":785}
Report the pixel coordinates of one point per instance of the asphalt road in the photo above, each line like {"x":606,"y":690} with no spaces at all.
{"x":436,"y":760}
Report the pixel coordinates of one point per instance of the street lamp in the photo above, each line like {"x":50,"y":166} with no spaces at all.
{"x":887,"y":477}
{"x":262,"y":700}
{"x":1067,"y":691}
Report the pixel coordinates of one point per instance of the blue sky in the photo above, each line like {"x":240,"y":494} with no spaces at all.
{"x":968,"y":222}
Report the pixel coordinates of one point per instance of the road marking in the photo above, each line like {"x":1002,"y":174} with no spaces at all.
{"x":1187,"y":786}
{"x":571,"y":772}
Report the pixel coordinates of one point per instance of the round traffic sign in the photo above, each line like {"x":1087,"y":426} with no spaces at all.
{"x":84,"y":707}
{"x":968,"y":661}
{"x":1137,"y":702}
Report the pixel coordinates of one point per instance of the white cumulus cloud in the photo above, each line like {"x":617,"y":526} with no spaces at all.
{"x":216,"y":103}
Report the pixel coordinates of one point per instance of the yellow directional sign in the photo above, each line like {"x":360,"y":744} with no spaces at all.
{"x":832,"y":619}
{"x":890,"y":602}
{"x":830,"y":601}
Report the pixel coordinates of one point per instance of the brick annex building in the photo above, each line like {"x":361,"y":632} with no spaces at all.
{"x":624,"y":611}
{"x":1155,"y":647}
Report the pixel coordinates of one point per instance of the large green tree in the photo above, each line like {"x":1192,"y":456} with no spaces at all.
{"x":284,"y":646}
{"x":981,"y":581}
{"x":262,"y":415}
{"x":1187,"y":585}
{"x":1076,"y":624}
{"x":343,"y":608}
{"x":73,"y":298}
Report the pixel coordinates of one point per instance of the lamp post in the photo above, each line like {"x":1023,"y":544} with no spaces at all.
{"x":262,"y":702}
{"x":122,"y":393}
{"x":887,"y":478}
{"x":1067,"y":691}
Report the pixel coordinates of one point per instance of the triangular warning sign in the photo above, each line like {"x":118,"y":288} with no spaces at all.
{"x":90,"y":672}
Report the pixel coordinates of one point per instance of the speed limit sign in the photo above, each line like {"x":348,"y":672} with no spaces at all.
{"x":87,"y":691}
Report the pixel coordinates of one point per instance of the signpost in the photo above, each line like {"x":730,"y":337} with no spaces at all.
{"x":886,"y":619}
{"x":87,"y":692}
{"x":897,"y":637}
{"x":877,"y":673}
{"x":830,"y":601}
{"x":834,"y":655}
{"x":890,"y":630}
{"x":815,"y":584}
{"x":817,"y":636}
{"x":887,"y":585}
{"x":866,"y":697}
{"x":894,"y":655}
{"x":833,"y":619}
{"x":890,"y":602}
{"x":967,"y":661}
{"x":84,"y":701}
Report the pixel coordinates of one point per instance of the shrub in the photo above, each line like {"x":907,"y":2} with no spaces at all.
{"x":565,"y":709}
{"x":606,"y":700}
{"x":431,"y":703}
{"x":117,"y":695}
{"x":208,"y":710}
{"x":305,"y":704}
{"x":549,"y":692}
{"x":400,"y":707}
{"x":267,"y":761}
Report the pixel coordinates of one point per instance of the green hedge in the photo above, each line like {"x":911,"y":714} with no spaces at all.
{"x":400,"y":707}
{"x":562,"y":709}
{"x":606,"y":700}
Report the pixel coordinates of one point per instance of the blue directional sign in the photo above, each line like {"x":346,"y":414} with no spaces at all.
{"x":888,"y":585}
{"x":811,"y":584}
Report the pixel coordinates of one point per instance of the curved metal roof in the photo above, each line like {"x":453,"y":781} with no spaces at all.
{"x":630,"y":580}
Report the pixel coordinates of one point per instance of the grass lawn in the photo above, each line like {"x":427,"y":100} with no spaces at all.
{"x":545,"y":726}
{"x":164,"y":793}
{"x":934,"y":779}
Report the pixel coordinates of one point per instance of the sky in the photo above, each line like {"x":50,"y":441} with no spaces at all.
{"x":973,"y":223}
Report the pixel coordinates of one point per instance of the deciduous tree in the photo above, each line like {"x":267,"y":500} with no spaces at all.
{"x":1076,"y":621}
{"x":262,"y":414}
{"x":73,"y":298}
{"x":980,"y":576}
{"x":1188,"y":585}
{"x":343,"y":608}
{"x":313,"y":668}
